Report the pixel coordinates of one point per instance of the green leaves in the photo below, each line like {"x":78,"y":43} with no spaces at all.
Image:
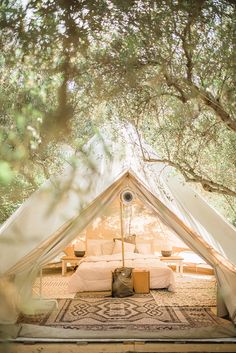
{"x":69,"y":66}
{"x":6,"y":173}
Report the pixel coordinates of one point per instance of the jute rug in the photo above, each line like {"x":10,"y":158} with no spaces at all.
{"x":133,"y":313}
{"x":189,"y":292}
{"x":53,"y":287}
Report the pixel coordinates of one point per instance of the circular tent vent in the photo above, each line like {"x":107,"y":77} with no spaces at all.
{"x":127,"y":196}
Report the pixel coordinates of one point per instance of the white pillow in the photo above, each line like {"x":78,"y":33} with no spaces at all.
{"x":94,"y":248}
{"x":144,"y":248}
{"x":107,"y":247}
{"x":118,"y":247}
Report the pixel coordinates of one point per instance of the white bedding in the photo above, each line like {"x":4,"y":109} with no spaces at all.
{"x":94,"y":273}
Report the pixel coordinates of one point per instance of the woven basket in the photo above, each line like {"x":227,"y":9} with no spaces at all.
{"x":79,"y":253}
{"x":166,"y":253}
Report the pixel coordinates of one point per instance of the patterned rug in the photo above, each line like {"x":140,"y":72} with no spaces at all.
{"x":133,"y":313}
{"x":53,"y":287}
{"x":189,"y":292}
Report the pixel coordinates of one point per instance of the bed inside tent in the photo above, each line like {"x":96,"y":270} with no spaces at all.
{"x":100,"y":243}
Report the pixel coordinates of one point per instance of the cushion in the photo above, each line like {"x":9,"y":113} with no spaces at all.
{"x":94,"y":247}
{"x":107,"y":247}
{"x":118,"y":247}
{"x":144,"y":248}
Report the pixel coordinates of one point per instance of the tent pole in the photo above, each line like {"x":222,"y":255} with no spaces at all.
{"x":122,"y":233}
{"x":40,"y":282}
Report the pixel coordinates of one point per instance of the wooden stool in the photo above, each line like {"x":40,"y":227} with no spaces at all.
{"x":141,"y":280}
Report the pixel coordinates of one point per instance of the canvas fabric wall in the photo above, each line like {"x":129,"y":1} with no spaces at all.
{"x":139,"y":220}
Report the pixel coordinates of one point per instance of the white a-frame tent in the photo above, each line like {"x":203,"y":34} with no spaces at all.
{"x":61,"y":208}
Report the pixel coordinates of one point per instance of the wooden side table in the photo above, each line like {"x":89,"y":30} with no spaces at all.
{"x":73,"y":260}
{"x":177,"y":260}
{"x":141,"y":280}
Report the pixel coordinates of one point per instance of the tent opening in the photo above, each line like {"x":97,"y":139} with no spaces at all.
{"x":81,"y":275}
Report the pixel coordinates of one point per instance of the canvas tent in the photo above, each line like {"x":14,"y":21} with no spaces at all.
{"x":62,"y":207}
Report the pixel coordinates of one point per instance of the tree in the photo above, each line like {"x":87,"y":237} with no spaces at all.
{"x":43,"y":49}
{"x":165,"y":65}
{"x":174,"y":67}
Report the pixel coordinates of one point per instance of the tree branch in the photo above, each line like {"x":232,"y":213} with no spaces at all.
{"x":208,"y":99}
{"x":171,"y":82}
{"x":215,"y":104}
{"x":191,"y":176}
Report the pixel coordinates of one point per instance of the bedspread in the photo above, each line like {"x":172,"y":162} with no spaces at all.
{"x":94,"y":273}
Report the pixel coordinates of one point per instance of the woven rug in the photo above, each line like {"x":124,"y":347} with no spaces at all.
{"x":189,"y":292}
{"x":101,"y":294}
{"x":53,"y":287}
{"x":133,"y":313}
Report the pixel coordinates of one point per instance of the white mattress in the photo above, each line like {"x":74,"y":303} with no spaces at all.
{"x":94,"y":273}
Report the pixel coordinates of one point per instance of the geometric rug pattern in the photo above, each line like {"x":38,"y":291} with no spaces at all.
{"x":132,"y":313}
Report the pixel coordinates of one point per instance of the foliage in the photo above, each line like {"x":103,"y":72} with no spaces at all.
{"x":174,"y":72}
{"x":166,"y":65}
